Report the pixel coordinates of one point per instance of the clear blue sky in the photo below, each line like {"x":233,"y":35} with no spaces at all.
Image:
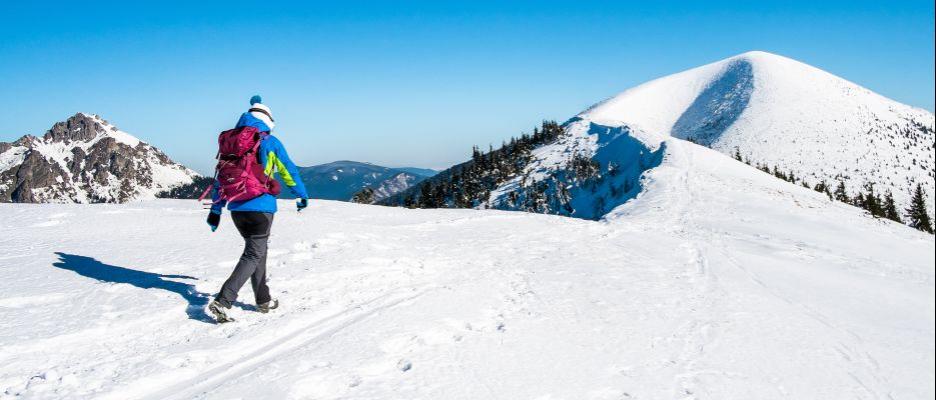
{"x":412,"y":83}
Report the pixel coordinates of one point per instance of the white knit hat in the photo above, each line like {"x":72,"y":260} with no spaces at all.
{"x":263,"y":113}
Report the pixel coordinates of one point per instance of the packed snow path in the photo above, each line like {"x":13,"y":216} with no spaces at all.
{"x":719,"y":282}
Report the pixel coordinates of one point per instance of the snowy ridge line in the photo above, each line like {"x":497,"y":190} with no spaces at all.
{"x":298,"y":338}
{"x":673,"y":203}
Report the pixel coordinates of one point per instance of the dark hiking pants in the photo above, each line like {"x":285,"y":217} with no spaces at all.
{"x":255,"y":228}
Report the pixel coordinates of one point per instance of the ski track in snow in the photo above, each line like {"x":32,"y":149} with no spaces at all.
{"x":717,"y":282}
{"x":321,"y":329}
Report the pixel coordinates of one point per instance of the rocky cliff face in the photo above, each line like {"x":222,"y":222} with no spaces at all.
{"x":395,"y":184}
{"x":84,"y":159}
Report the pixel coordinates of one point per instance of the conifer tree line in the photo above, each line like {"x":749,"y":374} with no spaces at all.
{"x":469,"y":184}
{"x":867,"y":199}
{"x":364,"y":196}
{"x":188,"y":191}
{"x":594,"y":187}
{"x":552,"y":193}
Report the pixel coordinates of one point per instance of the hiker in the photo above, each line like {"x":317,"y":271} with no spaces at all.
{"x":248,"y":157}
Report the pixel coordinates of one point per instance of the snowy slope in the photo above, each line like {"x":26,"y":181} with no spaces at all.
{"x":85,"y":159}
{"x":715,"y":282}
{"x":630,"y":151}
{"x":784,"y":113}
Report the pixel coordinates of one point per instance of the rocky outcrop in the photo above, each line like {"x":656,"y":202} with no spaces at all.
{"x":84,"y":159}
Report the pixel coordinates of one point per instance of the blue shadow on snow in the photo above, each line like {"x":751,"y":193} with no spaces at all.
{"x":94,"y":269}
{"x":718,"y":106}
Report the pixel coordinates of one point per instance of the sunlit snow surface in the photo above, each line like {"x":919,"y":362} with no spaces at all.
{"x":784,"y":113}
{"x":716,"y":282}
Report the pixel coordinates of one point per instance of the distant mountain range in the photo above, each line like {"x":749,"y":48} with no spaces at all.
{"x":85,"y":159}
{"x":340,"y":180}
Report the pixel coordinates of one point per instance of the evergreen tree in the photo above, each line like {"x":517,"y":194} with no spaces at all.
{"x":475,"y":154}
{"x":410,"y":201}
{"x":822,"y":187}
{"x":188,"y":191}
{"x":858,"y":200}
{"x":426,"y":191}
{"x":916,"y":214}
{"x":890,"y":209}
{"x":470,"y":184}
{"x":871,"y":202}
{"x":439,"y":195}
{"x":841,"y":194}
{"x":364,"y":196}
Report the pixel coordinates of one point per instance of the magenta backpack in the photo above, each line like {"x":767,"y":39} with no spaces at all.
{"x":239,"y":173}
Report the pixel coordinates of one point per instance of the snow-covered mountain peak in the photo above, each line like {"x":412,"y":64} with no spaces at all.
{"x":657,"y":105}
{"x":88,"y":128}
{"x":779,"y":112}
{"x":765,"y":57}
{"x":85,"y":159}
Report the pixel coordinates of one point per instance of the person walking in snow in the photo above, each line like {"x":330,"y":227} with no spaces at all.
{"x":248,"y":158}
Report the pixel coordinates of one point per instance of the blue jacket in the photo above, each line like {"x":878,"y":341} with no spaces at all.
{"x":274,"y":159}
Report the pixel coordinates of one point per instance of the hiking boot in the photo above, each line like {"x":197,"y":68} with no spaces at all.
{"x":217,"y":309}
{"x":266,"y":307}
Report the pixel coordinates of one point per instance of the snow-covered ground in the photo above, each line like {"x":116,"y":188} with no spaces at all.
{"x":716,"y":282}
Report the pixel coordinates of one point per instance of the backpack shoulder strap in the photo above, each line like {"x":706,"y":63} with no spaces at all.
{"x":260,"y":137}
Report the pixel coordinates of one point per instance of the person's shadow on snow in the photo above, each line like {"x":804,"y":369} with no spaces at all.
{"x":94,"y":269}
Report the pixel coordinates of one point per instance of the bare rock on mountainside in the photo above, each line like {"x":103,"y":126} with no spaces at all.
{"x":85,"y":159}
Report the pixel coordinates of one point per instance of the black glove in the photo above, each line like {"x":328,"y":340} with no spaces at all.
{"x":213,"y":220}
